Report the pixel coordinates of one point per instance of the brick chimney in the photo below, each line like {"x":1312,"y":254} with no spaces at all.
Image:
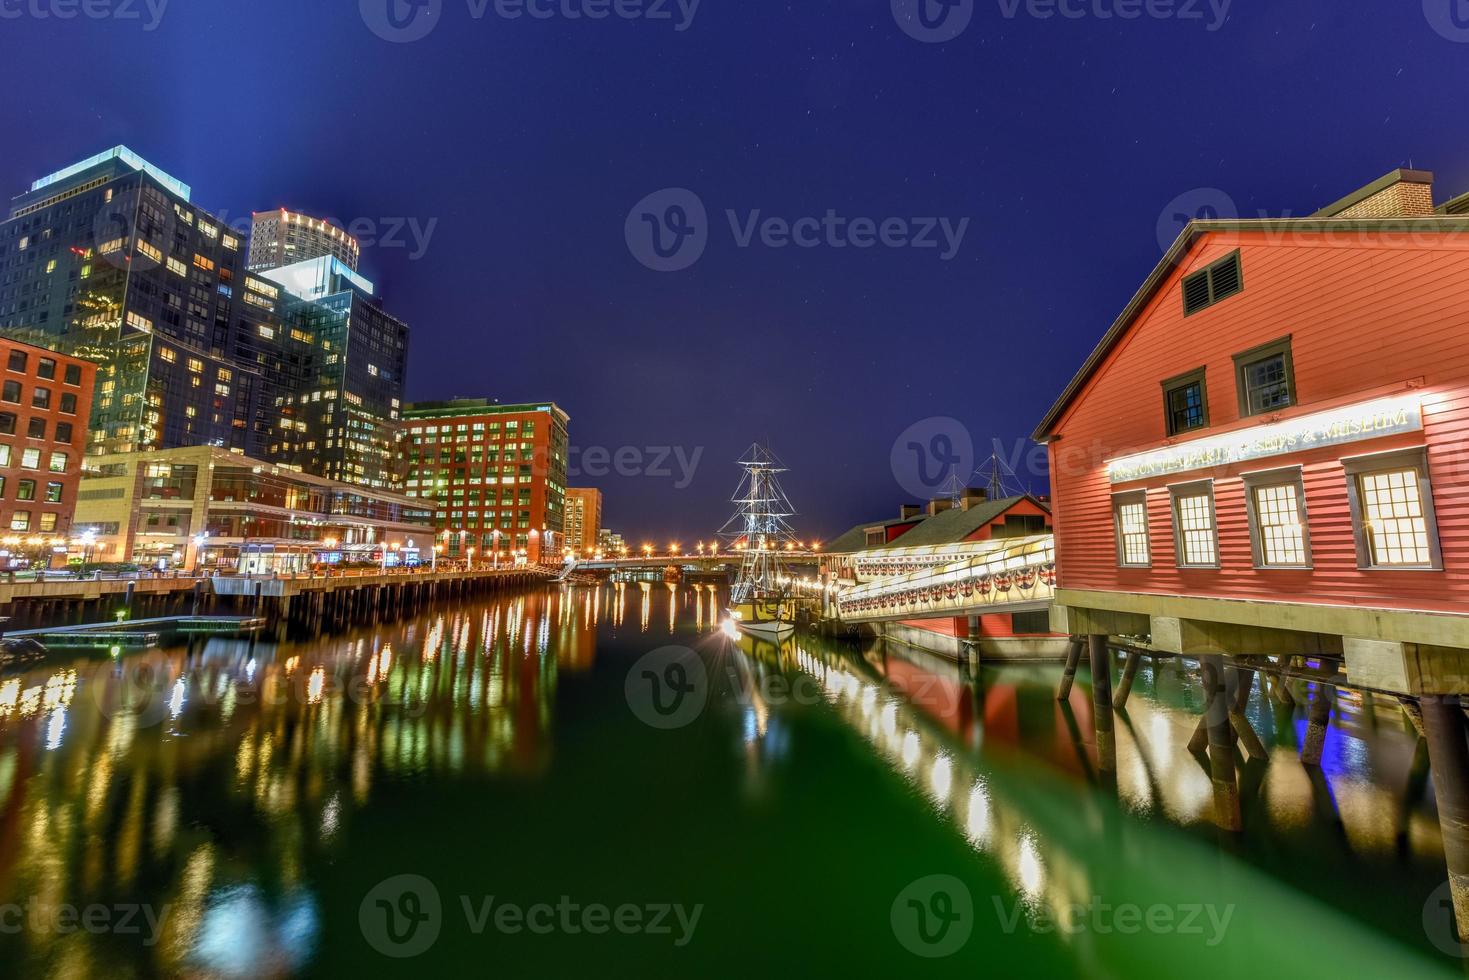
{"x":938,"y":505}
{"x":1401,"y":194}
{"x":909,"y":511}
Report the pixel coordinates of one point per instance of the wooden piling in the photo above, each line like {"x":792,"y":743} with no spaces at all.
{"x":1129,"y":674}
{"x":1073,"y":657}
{"x":1101,"y":664}
{"x":1447,"y":734}
{"x":1244,"y":679}
{"x":1221,"y":745}
{"x":1316,"y":721}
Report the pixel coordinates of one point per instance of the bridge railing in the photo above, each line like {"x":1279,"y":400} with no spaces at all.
{"x":1018,"y":571}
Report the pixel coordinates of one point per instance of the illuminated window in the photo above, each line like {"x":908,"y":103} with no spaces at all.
{"x":1392,"y":510}
{"x":177,"y":267}
{"x":196,"y":365}
{"x":1130,"y":513}
{"x":20,"y":520}
{"x":48,"y":520}
{"x":107,"y":248}
{"x":147,"y":248}
{"x":1265,"y":378}
{"x":140,"y":322}
{"x":1194,"y":532}
{"x":204,"y":263}
{"x":1279,"y":534}
{"x":167,"y":355}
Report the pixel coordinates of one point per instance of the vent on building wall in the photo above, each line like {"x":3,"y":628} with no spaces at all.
{"x":1216,"y":283}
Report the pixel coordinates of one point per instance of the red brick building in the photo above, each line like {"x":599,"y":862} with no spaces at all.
{"x":45,"y":401}
{"x":1267,"y":450}
{"x":496,"y":475}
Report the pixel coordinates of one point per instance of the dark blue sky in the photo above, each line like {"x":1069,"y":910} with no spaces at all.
{"x":527,"y":142}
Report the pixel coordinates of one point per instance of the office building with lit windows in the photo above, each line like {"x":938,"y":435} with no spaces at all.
{"x":495,"y":474}
{"x":338,"y":410}
{"x":281,"y":237}
{"x":583,"y":521}
{"x":45,"y":398}
{"x":109,"y":261}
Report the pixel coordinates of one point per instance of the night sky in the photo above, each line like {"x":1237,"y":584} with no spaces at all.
{"x":523,"y":145}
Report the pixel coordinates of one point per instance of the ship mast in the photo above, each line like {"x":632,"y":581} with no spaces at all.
{"x":760,"y":526}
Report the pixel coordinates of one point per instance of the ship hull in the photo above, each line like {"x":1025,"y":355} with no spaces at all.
{"x":764,"y":617}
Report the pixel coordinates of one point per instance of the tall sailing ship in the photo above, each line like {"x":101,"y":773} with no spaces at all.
{"x":760,"y":601}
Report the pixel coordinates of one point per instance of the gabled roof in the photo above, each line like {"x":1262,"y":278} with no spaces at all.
{"x":1179,"y":252}
{"x":954,"y":525}
{"x":946,"y":527}
{"x":856,"y":538}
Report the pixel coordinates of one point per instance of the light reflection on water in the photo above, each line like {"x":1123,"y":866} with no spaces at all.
{"x":226,"y":783}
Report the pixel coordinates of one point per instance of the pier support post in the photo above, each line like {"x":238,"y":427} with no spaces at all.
{"x":1316,"y":721}
{"x":1101,"y":663}
{"x":1129,"y":674}
{"x":1073,"y":657}
{"x":1221,"y":744}
{"x":1244,"y":680}
{"x":1448,"y":759}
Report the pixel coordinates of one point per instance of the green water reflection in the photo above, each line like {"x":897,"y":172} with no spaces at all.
{"x":234,"y":810}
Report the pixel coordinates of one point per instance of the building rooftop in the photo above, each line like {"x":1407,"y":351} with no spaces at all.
{"x":123,"y":154}
{"x":946,"y":527}
{"x":464,"y":407}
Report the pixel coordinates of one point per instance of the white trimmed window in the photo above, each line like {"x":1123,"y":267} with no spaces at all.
{"x":1279,"y":535}
{"x":1130,"y":516}
{"x":1392,"y":510}
{"x":1195,"y":532}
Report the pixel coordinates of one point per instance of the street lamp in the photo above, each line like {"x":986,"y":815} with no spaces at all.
{"x":434,"y":562}
{"x":199,"y":540}
{"x":470,"y":566}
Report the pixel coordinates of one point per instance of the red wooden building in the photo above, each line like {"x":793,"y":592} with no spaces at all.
{"x":1267,"y":451}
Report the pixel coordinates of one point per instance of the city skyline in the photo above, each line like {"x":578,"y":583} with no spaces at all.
{"x":536,"y":201}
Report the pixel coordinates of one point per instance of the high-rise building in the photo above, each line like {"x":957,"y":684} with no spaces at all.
{"x":583,"y":519}
{"x":495,"y":473}
{"x":282,"y":237}
{"x":338,"y":412}
{"x":109,"y":261}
